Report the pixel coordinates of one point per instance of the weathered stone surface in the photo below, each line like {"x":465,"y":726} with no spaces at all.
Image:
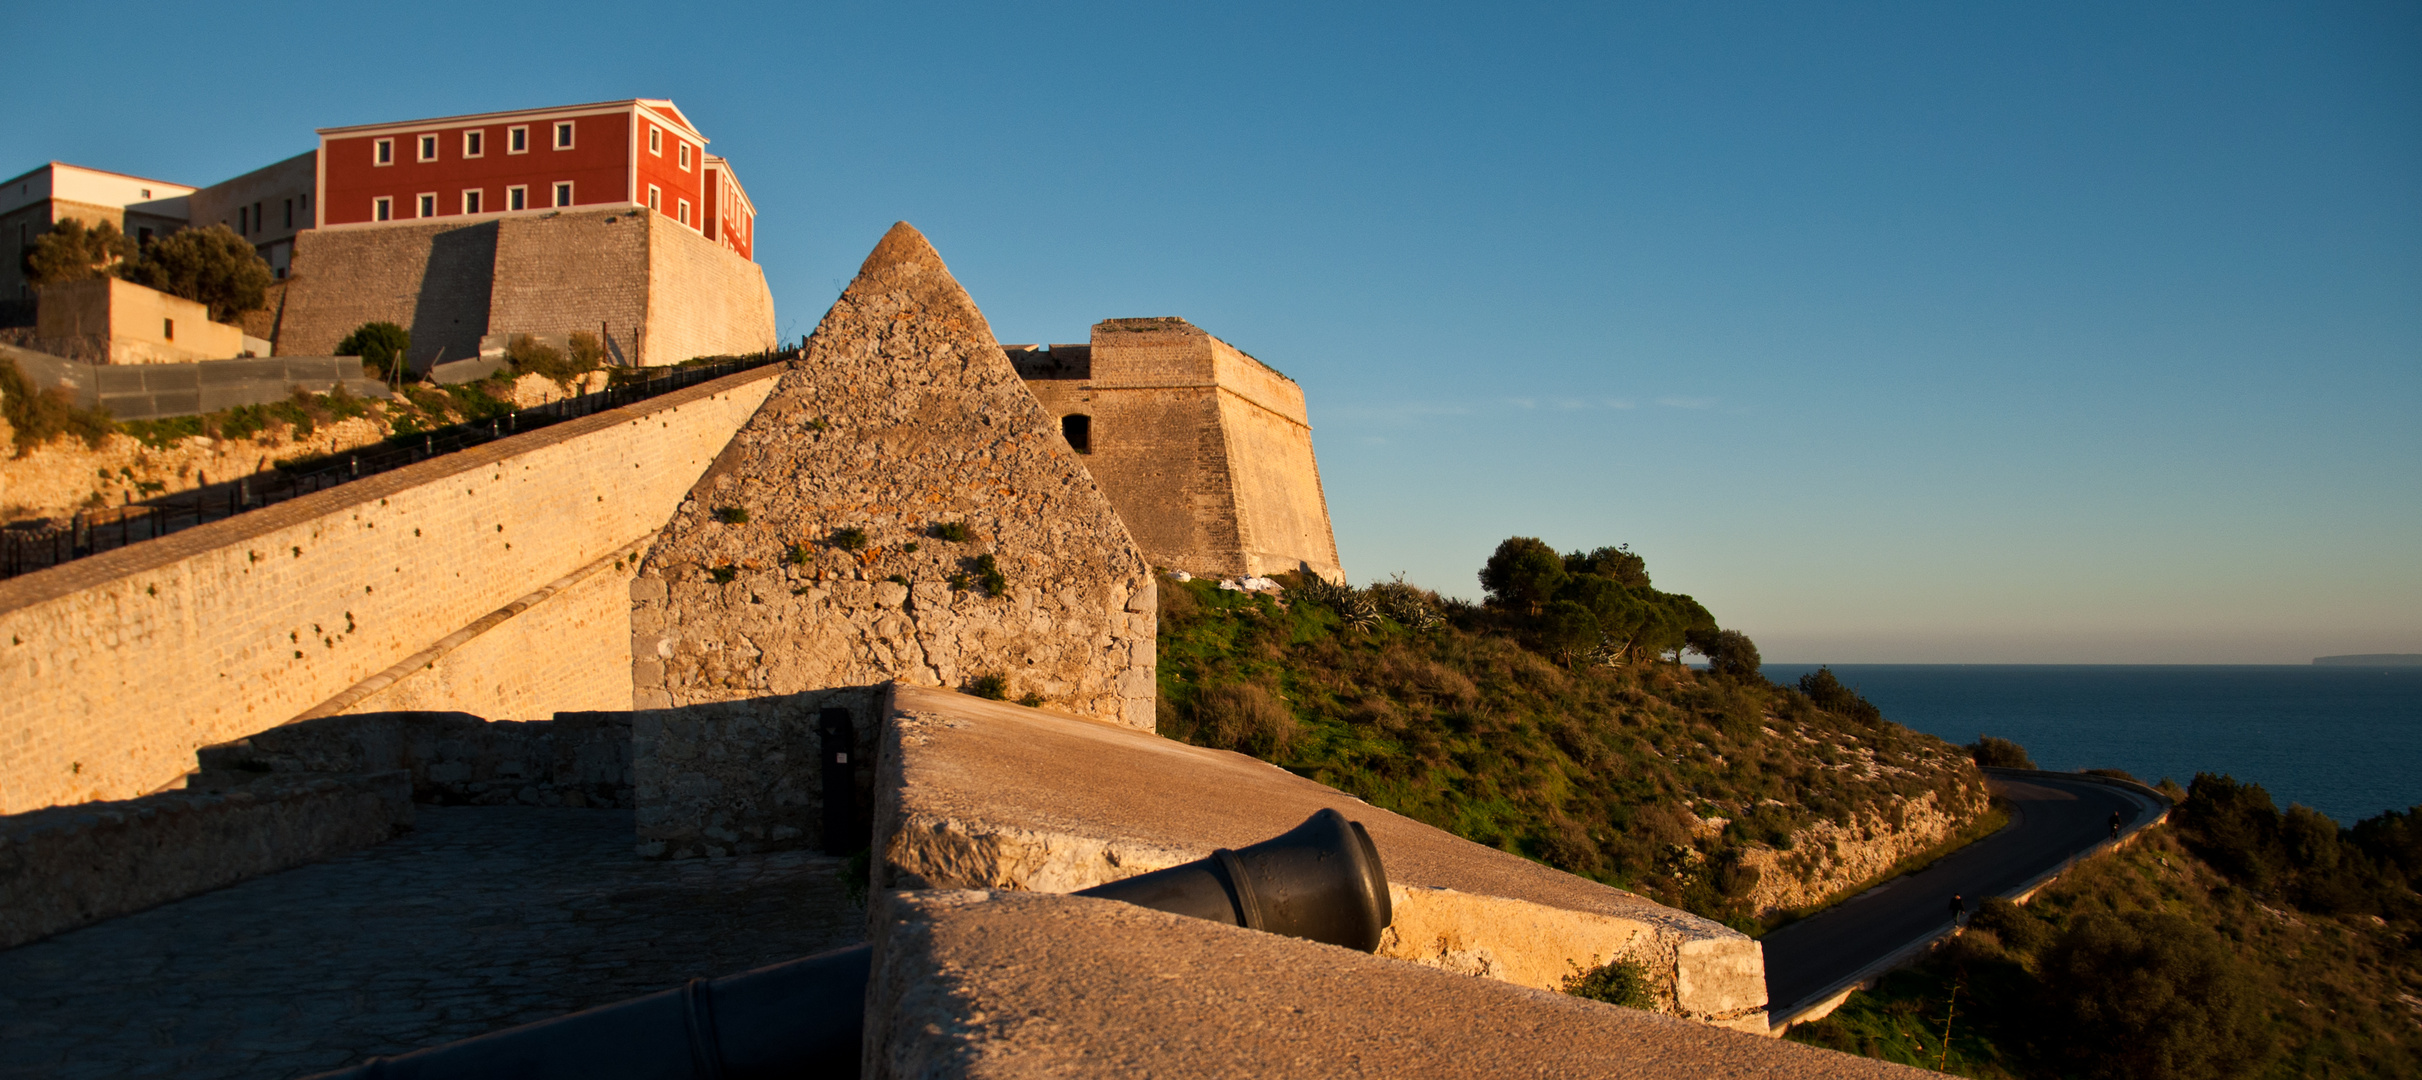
{"x":980,"y":984}
{"x":1206,"y":451}
{"x":578,"y":759}
{"x":980,"y":794}
{"x":1826,"y":858}
{"x":903,"y":415}
{"x":65,"y":867}
{"x":115,"y":668}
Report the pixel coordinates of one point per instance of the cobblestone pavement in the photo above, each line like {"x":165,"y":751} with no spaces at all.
{"x":481,"y":918}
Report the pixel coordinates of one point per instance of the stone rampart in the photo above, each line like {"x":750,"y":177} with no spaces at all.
{"x":703,"y":298}
{"x":644,"y":282}
{"x":811,"y":560}
{"x":1012,"y":985}
{"x":66,"y":867}
{"x":578,"y":759}
{"x":974,"y":794}
{"x":433,"y":280}
{"x":118,"y":666}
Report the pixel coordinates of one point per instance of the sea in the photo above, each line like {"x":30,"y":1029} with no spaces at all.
{"x":2346,"y":741}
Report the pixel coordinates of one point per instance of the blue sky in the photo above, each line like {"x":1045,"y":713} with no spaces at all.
{"x":1892,"y":332}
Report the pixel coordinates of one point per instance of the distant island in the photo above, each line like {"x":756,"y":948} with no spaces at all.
{"x":2381,"y":659}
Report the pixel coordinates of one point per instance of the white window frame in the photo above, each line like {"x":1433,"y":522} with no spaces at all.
{"x":655,"y":198}
{"x":517,"y":197}
{"x":685,"y":157}
{"x":475,"y":142}
{"x":382,"y":152}
{"x":428,"y":145}
{"x":684,"y":216}
{"x":426,"y":203}
{"x":517,"y":139}
{"x":565,"y":132}
{"x":382,"y":209}
{"x":655,"y":140}
{"x":563,"y":193}
{"x":473,"y":198}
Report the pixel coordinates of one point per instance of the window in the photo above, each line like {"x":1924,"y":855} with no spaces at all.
{"x":517,"y":139}
{"x":563,"y":135}
{"x":475,"y":144}
{"x":289,"y":213}
{"x":428,"y":204}
{"x":168,"y":329}
{"x":142,"y":235}
{"x":655,"y":140}
{"x":260,"y":221}
{"x":684,"y":217}
{"x":563,"y":193}
{"x":685,"y":157}
{"x":240,"y":225}
{"x":382,"y":209}
{"x":428,"y":148}
{"x":383,"y":152}
{"x":517,"y":197}
{"x":1077,"y":428}
{"x":655,"y":199}
{"x":471,"y":200}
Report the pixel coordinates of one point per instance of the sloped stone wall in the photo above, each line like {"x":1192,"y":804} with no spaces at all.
{"x":804,"y":562}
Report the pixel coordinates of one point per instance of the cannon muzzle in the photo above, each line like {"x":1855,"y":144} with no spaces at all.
{"x":1320,"y":880}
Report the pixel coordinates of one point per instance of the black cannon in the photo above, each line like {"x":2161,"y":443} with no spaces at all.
{"x":1320,"y":880}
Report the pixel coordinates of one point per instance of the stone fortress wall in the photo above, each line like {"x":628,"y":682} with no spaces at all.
{"x":656,"y":290}
{"x":1206,"y":451}
{"x":117,"y":666}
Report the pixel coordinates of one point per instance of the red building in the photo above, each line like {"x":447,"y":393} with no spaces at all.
{"x":610,"y":153}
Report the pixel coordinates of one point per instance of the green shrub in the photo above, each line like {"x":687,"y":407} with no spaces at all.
{"x":798,"y":554}
{"x":1993,"y":753}
{"x":849,"y":539}
{"x":2152,"y":996}
{"x":1616,"y":982}
{"x":382,"y":347}
{"x":988,"y":574}
{"x":989,"y":687}
{"x":71,"y":252}
{"x":723,"y":575}
{"x":732,"y":515}
{"x":211,"y":266}
{"x":953,"y":531}
{"x":588,"y":353}
{"x":530,"y":356}
{"x":38,"y":417}
{"x":1031,"y":700}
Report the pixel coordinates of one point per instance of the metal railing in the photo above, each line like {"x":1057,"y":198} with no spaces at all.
{"x":90,"y":532}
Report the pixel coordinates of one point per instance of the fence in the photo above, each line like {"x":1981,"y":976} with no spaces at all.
{"x":90,"y":532}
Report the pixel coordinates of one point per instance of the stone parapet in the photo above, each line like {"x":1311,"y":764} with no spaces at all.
{"x":973,"y":794}
{"x":578,"y":759}
{"x":1006,"y":984}
{"x":70,"y":866}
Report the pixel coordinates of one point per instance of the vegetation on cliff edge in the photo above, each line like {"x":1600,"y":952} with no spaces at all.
{"x":1588,"y":747}
{"x":2235,"y":941}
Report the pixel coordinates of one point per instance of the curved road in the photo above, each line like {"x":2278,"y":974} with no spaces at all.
{"x":2053,"y":818}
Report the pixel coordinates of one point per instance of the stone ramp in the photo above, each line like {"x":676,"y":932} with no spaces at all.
{"x":978,"y":794}
{"x":1005,"y":985}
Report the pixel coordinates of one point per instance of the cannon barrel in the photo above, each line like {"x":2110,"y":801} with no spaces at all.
{"x":1321,"y":880}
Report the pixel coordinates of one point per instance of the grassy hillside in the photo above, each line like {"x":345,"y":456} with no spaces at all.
{"x":1619,"y":765}
{"x":2235,"y":941}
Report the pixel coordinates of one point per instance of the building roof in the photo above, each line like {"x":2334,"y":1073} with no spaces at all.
{"x":660,"y":106}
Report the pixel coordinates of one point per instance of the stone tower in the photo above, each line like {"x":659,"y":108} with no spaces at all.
{"x":1205,"y":451}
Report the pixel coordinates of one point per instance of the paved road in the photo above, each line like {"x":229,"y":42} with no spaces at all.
{"x":480,"y":919}
{"x":2051,"y":819}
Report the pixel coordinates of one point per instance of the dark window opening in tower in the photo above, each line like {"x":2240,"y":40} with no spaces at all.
{"x":1078,"y":430}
